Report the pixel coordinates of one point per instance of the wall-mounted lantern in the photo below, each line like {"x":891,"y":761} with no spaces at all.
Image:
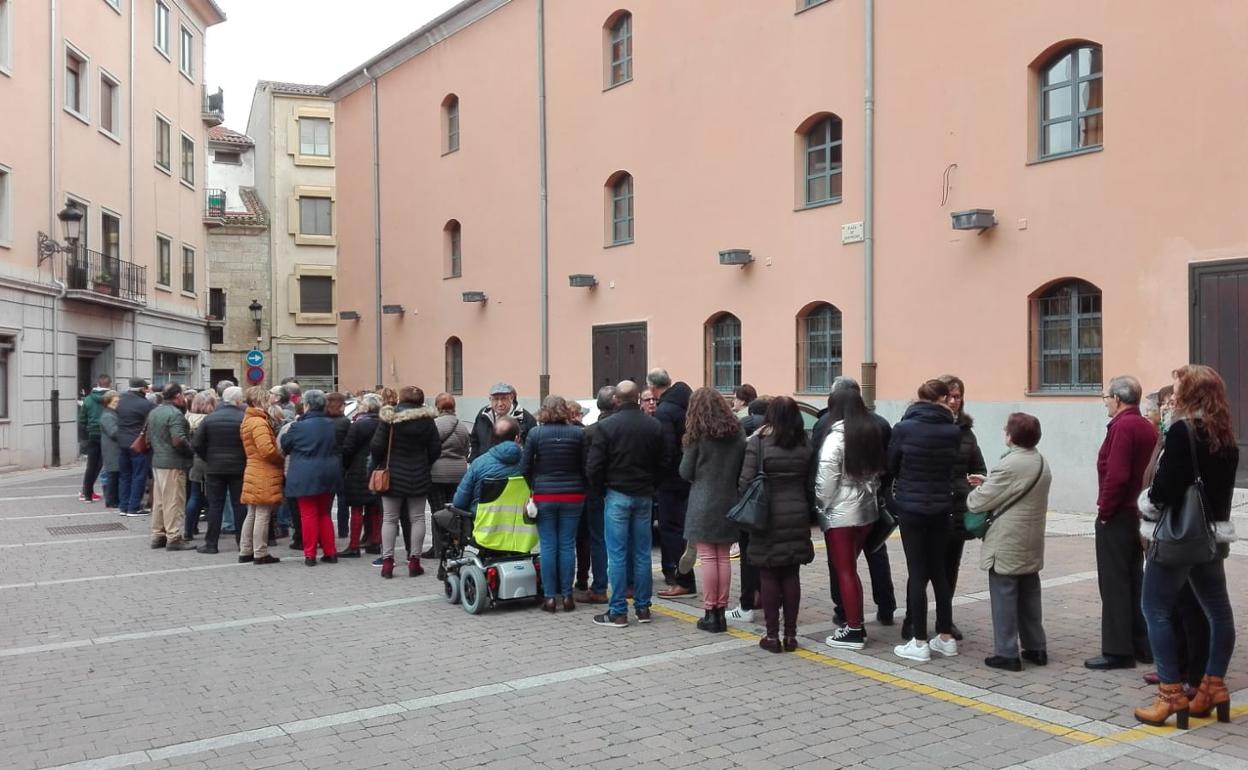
{"x":348,"y":315}
{"x":735,"y":257}
{"x":393,"y":310}
{"x":582,"y":281}
{"x":973,"y":219}
{"x":474,"y":296}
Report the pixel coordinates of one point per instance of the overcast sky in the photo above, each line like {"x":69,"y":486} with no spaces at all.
{"x":301,"y":41}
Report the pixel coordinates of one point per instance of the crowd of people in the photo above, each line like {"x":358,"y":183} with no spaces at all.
{"x":661,"y":453}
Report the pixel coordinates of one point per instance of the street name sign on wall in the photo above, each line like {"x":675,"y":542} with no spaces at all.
{"x":851,"y":232}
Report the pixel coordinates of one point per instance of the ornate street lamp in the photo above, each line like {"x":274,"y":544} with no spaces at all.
{"x":256,"y":315}
{"x":71,"y":231}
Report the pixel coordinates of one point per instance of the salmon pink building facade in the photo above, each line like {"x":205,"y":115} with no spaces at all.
{"x":103,"y":112}
{"x":565,"y":194}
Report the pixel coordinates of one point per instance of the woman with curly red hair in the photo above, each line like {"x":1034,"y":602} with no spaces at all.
{"x":1200,"y":446}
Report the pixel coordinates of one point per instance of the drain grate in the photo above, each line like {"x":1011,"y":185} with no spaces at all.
{"x":86,"y":529}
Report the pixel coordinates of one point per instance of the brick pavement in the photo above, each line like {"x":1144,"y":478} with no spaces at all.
{"x":114,"y":655}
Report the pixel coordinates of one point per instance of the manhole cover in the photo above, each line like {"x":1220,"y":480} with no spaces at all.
{"x":86,"y":529}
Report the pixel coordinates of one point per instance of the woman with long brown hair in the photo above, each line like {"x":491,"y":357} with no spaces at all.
{"x":714,"y":451}
{"x":1200,"y":445}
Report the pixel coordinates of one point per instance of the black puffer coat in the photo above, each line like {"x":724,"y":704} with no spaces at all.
{"x":786,"y":543}
{"x":921,"y":455}
{"x":416,"y":447}
{"x":970,"y":460}
{"x":671,"y":415}
{"x":554,"y":459}
{"x":218,"y":441}
{"x":355,"y":459}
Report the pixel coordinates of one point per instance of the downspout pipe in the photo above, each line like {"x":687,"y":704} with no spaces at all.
{"x":134,"y":314}
{"x":868,"y":215}
{"x":376,"y":223}
{"x":54,"y":420}
{"x":543,"y":203}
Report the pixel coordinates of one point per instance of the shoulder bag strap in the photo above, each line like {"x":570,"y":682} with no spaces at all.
{"x":389,"y":442}
{"x":1191,"y":443}
{"x":1001,"y":512}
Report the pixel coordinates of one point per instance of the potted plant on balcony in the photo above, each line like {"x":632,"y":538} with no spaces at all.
{"x":103,"y":283}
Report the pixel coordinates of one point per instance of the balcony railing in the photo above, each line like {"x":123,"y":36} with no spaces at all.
{"x":214,"y":203}
{"x":214,"y":107}
{"x":91,"y":271}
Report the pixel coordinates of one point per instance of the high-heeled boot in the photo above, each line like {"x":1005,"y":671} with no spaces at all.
{"x":1212,"y":694}
{"x":414,"y":568}
{"x":1170,"y":700}
{"x":387,"y":568}
{"x":708,"y":621}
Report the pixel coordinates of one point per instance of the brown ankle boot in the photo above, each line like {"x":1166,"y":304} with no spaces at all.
{"x":1212,"y":693}
{"x":1170,"y":700}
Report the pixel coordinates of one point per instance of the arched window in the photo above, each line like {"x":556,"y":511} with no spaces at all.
{"x":453,"y":249}
{"x":450,"y":124}
{"x":821,"y":161}
{"x":454,"y":366}
{"x":723,"y":352}
{"x":1066,"y":338}
{"x":819,"y":347}
{"x":1071,"y":109}
{"x":620,"y":209}
{"x":619,"y":48}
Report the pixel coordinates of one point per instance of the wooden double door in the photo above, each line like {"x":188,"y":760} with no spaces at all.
{"x":619,"y":354}
{"x":1219,"y":338}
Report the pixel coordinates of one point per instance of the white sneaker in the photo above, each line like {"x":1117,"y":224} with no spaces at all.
{"x":739,"y":615}
{"x":946,"y":648}
{"x":913,"y":650}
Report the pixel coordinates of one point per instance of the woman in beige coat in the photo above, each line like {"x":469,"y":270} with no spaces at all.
{"x":1016,"y":495}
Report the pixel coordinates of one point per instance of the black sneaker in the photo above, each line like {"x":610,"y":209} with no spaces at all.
{"x":611,"y":621}
{"x":846,"y":638}
{"x":244,"y":558}
{"x":1039,"y":657}
{"x":330,"y":559}
{"x":309,"y":562}
{"x":1003,"y":663}
{"x":205,"y":548}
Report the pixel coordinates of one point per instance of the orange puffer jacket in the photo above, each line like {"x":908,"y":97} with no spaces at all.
{"x":262,"y":481}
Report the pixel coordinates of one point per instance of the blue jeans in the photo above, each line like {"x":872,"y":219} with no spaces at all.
{"x":556,"y":531}
{"x":1159,"y":595}
{"x":132,"y":472}
{"x":594,"y":506}
{"x":627,"y":529}
{"x":195,"y":500}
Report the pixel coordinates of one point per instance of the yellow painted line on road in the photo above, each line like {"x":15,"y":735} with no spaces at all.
{"x":1126,"y":736}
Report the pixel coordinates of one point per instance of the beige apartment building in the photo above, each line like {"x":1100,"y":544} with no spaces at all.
{"x":104,"y":114}
{"x":292,"y":128}
{"x":562,"y":194}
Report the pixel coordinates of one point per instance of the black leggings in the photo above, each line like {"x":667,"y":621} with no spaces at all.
{"x":780,"y":587}
{"x":925,"y":539}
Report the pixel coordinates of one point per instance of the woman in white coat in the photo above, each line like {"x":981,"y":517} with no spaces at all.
{"x":1016,"y":496}
{"x":846,"y":479}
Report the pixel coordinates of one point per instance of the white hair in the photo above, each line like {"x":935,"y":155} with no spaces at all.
{"x":233,"y":395}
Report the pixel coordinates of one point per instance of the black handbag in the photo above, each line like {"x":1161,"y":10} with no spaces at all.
{"x":1184,"y":536}
{"x":881,"y":530}
{"x":752,"y":512}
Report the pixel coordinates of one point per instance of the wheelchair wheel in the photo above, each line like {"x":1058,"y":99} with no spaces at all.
{"x":451,"y":586}
{"x":474,"y":593}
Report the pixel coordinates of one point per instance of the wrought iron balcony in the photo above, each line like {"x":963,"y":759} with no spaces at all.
{"x":214,"y":206}
{"x":96,"y":277}
{"x":214,"y":107}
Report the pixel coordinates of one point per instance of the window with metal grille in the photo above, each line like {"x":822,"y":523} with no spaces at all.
{"x":620,"y":50}
{"x":1066,"y":338}
{"x":216,"y":335}
{"x":621,"y":209}
{"x":316,"y":294}
{"x":315,"y":216}
{"x":314,"y":136}
{"x":1071,"y":110}
{"x":723,"y":354}
{"x":171,"y":366}
{"x":454,"y":366}
{"x":823,"y":161}
{"x":317,"y":370}
{"x":819,"y":348}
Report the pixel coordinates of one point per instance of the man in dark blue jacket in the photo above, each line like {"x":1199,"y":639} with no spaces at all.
{"x":133,"y":467}
{"x":219,"y":441}
{"x":672,"y":497}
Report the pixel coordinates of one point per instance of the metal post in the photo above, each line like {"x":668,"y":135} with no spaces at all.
{"x":56,"y":427}
{"x":868,"y":217}
{"x":544,"y":224}
{"x":377,"y":221}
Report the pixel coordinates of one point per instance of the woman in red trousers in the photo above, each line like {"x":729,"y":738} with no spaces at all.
{"x":314,"y":476}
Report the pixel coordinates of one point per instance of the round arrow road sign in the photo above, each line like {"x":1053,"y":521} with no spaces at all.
{"x":255,"y":358}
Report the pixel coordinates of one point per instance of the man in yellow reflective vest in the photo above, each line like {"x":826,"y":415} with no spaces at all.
{"x":499,"y":523}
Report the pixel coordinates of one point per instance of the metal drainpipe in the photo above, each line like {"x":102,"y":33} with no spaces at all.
{"x":54,"y":413}
{"x":134,"y":314}
{"x":868,"y":217}
{"x":544,"y":225}
{"x":377,"y":220}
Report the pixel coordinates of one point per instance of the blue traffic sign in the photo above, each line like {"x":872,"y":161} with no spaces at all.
{"x":255,"y":358}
